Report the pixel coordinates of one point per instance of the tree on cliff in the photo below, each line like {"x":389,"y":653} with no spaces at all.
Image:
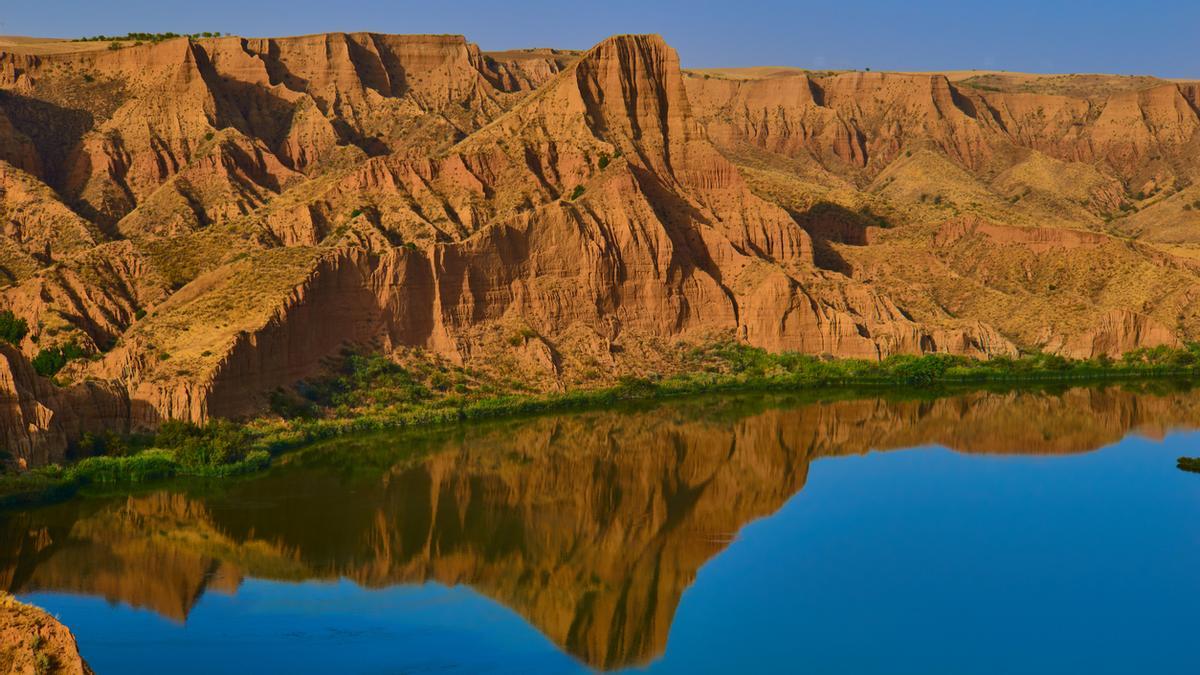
{"x":12,"y":329}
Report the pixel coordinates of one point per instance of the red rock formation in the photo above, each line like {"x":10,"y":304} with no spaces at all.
{"x":37,"y":418}
{"x":865,"y":119}
{"x":1114,"y":334}
{"x":279,"y":199}
{"x":31,"y":638}
{"x":525,"y":69}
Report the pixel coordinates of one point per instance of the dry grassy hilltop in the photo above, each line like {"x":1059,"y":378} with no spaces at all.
{"x":194,"y":223}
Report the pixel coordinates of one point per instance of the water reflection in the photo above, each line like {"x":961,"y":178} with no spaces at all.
{"x":591,"y":525}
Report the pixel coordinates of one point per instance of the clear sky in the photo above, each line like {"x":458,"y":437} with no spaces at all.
{"x":1112,"y":36}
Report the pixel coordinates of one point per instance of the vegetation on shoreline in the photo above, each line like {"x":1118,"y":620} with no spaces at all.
{"x":373,"y":393}
{"x":218,"y":449}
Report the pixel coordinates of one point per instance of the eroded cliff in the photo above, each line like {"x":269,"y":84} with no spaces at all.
{"x":214,"y":219}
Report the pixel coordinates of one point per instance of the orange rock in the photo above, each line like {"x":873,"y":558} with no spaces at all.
{"x":30,"y":638}
{"x":219,"y":217}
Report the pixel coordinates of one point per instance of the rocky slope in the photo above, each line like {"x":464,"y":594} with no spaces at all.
{"x":214,"y":219}
{"x":1033,"y":204}
{"x":33,"y":642}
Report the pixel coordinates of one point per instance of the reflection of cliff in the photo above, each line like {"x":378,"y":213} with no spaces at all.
{"x":590,"y":525}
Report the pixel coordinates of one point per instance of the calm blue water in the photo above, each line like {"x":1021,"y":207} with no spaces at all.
{"x":913,"y":560}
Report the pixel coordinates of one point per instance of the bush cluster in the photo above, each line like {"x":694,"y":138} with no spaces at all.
{"x":50,"y":360}
{"x":12,"y":329}
{"x":362,"y":381}
{"x":146,"y":37}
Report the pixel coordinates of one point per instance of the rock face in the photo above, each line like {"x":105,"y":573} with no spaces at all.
{"x":865,"y":120}
{"x":33,"y":642}
{"x":216,"y":218}
{"x":37,"y":418}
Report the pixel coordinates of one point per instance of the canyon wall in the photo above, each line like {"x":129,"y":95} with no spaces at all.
{"x":215,"y":219}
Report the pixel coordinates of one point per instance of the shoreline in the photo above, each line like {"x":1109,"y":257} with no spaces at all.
{"x":224,"y":449}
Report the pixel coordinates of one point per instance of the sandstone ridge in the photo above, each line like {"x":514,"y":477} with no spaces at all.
{"x":214,"y":219}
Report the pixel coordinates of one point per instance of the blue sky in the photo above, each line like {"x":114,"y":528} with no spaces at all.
{"x":1027,"y":35}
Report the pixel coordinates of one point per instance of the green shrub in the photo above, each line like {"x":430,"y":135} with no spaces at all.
{"x":140,"y":314}
{"x":366,"y":381}
{"x":289,"y":406}
{"x":256,"y":460}
{"x":577,"y":192}
{"x":220,"y":442}
{"x":12,"y":329}
{"x":919,"y":370}
{"x":50,"y":360}
{"x":103,"y":444}
{"x":172,"y":434}
{"x":604,"y":160}
{"x":142,"y":37}
{"x":147,"y":466}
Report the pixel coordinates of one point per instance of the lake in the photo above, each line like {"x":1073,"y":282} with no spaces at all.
{"x":1010,"y":532}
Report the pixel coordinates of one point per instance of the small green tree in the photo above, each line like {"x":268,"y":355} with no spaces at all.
{"x":220,"y":442}
{"x":50,"y":360}
{"x":174,"y":433}
{"x":12,"y":329}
